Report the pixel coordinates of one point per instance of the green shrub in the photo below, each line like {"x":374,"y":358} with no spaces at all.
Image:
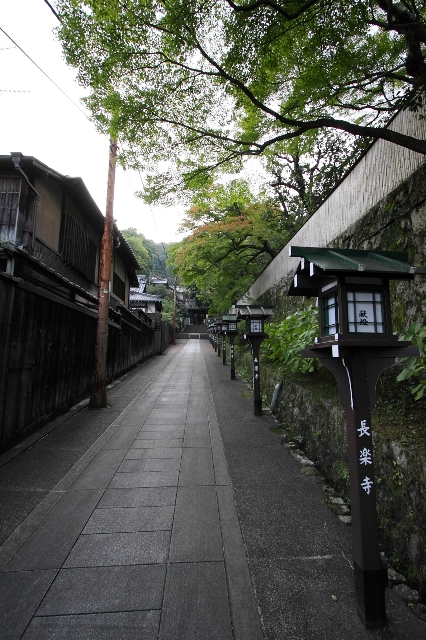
{"x":289,"y":337}
{"x":415,"y":367}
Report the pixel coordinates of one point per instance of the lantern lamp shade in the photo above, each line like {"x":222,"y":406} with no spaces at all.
{"x":232,"y":326}
{"x":255,"y":318}
{"x":255,"y":325}
{"x":352,"y":287}
{"x":224,"y":325}
{"x":330,"y":315}
{"x":365,"y":312}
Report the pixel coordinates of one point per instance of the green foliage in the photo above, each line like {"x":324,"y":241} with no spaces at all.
{"x":168,"y":311}
{"x":160,"y":290}
{"x":289,"y":337}
{"x":196,"y":86}
{"x":160,"y":267}
{"x":232,"y":238}
{"x":415,"y":367}
{"x":143,"y":249}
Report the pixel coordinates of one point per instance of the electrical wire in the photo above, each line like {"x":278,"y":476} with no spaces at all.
{"x":153,"y":217}
{"x":160,"y":260}
{"x":45,"y":74}
{"x":85,"y":115}
{"x":52,"y":10}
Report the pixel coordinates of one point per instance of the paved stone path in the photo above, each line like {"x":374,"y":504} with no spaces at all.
{"x":140,"y":539}
{"x":121,"y":524}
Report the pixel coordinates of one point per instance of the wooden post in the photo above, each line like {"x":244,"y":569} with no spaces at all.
{"x":231,"y":349}
{"x":255,"y":342}
{"x":98,"y":398}
{"x":174,"y":313}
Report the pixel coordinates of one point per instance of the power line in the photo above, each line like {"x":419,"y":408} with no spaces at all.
{"x":14,"y":91}
{"x":52,"y":10}
{"x":45,"y":74}
{"x":160,"y":260}
{"x":153,"y":217}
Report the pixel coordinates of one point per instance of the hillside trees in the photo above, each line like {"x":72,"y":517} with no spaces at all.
{"x":201,"y":84}
{"x":143,"y":248}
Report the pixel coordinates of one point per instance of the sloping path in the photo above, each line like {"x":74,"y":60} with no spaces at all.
{"x":123,"y":522}
{"x":140,"y":538}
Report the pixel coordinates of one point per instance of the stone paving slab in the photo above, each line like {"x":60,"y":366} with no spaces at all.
{"x":151,"y":439}
{"x":154,"y":452}
{"x":105,"y":589}
{"x":49,"y":545}
{"x":149,"y":464}
{"x":130,"y":519}
{"x":175,"y":428}
{"x":21,"y":593}
{"x":100,"y":470}
{"x":138,"y":497}
{"x":144,"y":479}
{"x":197,"y":467}
{"x":109,"y":549}
{"x":131,"y":625}
{"x":196,"y":535}
{"x":203,"y":585}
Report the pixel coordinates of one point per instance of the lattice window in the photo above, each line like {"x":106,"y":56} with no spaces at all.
{"x":10,"y":189}
{"x":74,"y":243}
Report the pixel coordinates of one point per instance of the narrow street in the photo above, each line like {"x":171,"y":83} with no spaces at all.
{"x":174,"y":514}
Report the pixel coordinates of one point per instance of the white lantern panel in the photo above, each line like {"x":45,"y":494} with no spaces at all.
{"x":365,"y":312}
{"x":330,"y":315}
{"x":256,"y":325}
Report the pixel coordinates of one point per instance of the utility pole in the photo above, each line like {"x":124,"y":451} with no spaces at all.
{"x":98,"y":399}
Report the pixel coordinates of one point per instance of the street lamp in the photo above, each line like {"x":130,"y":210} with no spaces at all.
{"x":356,"y":343}
{"x":255,"y":335}
{"x":232,"y":331}
{"x":224,"y":331}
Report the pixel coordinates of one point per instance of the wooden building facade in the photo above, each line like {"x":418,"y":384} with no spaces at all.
{"x":50,"y":238}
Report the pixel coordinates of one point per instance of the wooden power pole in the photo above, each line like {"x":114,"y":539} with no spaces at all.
{"x":98,"y":398}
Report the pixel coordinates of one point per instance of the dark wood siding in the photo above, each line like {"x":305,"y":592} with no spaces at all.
{"x":46,"y":354}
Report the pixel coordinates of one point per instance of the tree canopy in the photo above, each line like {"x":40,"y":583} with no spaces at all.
{"x":232,"y":236}
{"x":201,"y":84}
{"x":143,"y":248}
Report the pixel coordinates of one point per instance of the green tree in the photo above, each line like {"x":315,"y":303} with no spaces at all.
{"x":201,"y":84}
{"x":303,"y":175}
{"x":232,"y":238}
{"x":160,"y":267}
{"x":143,"y":249}
{"x":160,"y":290}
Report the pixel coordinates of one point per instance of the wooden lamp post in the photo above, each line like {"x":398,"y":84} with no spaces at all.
{"x":232,"y":331}
{"x":223,"y":332}
{"x":356,"y":344}
{"x":255,"y":335}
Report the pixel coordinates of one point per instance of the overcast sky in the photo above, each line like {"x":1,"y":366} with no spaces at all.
{"x":38,"y":120}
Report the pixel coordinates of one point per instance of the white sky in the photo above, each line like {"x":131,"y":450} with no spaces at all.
{"x":38,"y":120}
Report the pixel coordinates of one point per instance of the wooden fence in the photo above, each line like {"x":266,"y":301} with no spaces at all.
{"x":47,"y":353}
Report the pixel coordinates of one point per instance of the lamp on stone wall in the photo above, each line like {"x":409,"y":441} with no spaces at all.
{"x":356,"y":343}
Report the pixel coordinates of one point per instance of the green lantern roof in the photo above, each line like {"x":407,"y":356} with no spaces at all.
{"x":319,"y":264}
